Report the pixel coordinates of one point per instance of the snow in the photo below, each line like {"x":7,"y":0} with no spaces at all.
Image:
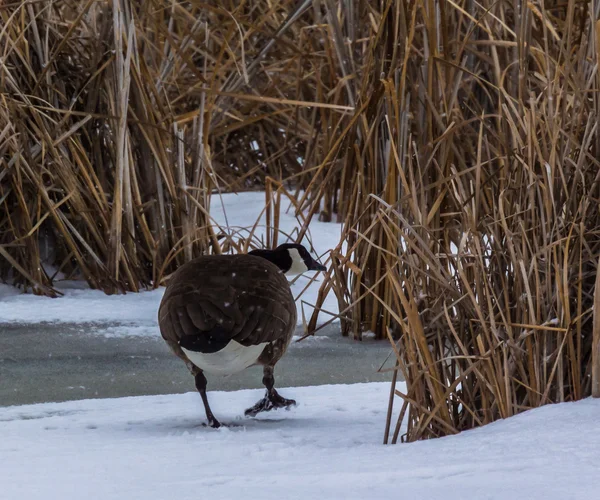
{"x":153,"y":447}
{"x":137,"y":311}
{"x":78,"y":306}
{"x":329,"y":446}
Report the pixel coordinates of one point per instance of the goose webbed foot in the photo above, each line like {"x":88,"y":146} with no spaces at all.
{"x":214,"y":423}
{"x":272,"y":400}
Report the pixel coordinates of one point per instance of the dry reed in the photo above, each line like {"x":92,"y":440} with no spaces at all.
{"x":456,"y":140}
{"x":472,"y":230}
{"x":119,"y":120}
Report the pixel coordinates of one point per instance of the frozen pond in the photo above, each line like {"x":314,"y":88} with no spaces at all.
{"x":68,"y":361}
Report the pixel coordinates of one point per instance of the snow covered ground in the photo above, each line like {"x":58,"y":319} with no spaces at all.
{"x":138,"y":311}
{"x":328,"y":447}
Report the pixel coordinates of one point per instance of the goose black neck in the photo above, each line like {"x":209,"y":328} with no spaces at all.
{"x":280,"y":258}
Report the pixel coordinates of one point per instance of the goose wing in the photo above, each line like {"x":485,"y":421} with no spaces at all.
{"x":215,"y":299}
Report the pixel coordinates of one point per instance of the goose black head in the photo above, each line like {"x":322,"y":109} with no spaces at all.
{"x":291,"y":258}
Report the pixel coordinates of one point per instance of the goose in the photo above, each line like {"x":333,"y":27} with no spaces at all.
{"x":224,"y":313}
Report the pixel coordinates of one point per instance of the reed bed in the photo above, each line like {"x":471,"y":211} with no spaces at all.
{"x":456,"y":140}
{"x":119,"y":120}
{"x":472,"y":230}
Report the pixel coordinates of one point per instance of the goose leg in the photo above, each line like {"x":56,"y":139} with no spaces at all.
{"x":201,"y":386}
{"x":272,"y":398}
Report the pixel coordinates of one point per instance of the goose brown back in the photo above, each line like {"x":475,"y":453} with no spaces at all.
{"x":229,"y":297}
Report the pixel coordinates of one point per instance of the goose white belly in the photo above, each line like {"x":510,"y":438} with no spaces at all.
{"x":233,"y":358}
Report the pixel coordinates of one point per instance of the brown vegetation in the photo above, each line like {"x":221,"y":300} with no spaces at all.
{"x":457,"y":141}
{"x":472,"y":231}
{"x":119,"y":120}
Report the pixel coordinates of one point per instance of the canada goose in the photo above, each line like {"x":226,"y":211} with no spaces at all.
{"x":223,"y":313}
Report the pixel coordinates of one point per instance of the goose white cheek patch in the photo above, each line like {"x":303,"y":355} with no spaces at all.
{"x":298,"y":265}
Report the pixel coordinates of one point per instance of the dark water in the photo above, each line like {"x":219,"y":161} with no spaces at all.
{"x":59,"y":362}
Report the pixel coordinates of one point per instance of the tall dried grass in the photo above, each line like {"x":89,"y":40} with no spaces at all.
{"x":472,"y":233}
{"x":456,"y":140}
{"x":120,"y":119}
